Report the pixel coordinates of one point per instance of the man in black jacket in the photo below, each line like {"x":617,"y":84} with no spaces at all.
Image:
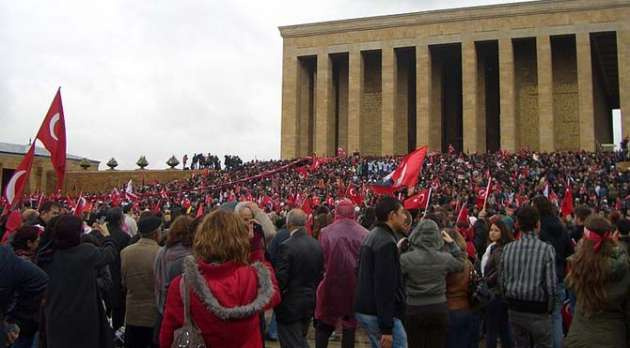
{"x":380,"y":299}
{"x":299,"y":266}
{"x":22,"y":282}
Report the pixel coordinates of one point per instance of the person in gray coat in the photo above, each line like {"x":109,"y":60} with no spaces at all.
{"x":424,"y":269}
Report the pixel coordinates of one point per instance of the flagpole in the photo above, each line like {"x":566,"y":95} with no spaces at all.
{"x":426,"y":207}
{"x":485,"y":198}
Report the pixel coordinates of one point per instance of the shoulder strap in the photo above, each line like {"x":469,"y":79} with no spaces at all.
{"x":183,"y":290}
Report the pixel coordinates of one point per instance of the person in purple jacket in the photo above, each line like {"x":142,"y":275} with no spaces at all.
{"x":341,"y":242}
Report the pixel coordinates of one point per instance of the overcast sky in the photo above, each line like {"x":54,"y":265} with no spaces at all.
{"x":159,"y":77}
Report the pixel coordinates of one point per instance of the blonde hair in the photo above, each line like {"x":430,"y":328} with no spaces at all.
{"x":222,"y":237}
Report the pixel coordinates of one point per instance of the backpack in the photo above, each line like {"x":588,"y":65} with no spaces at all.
{"x":189,"y":335}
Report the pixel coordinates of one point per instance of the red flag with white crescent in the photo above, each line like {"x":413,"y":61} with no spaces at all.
{"x":15,"y":186}
{"x":52,"y":134}
{"x":417,"y":201}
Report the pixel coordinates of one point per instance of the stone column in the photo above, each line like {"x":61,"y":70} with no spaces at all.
{"x":586,"y":113}
{"x":355,"y":85}
{"x":423,"y":98}
{"x":323,"y":133}
{"x":474,"y":134}
{"x":388,"y":90}
{"x":545,"y":94}
{"x":289,"y":137}
{"x":623,"y":61}
{"x":507,"y":97}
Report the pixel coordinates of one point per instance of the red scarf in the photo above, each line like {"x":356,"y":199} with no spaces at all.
{"x":596,"y":238}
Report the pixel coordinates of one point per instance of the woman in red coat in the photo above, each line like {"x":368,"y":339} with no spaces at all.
{"x":227,"y":293}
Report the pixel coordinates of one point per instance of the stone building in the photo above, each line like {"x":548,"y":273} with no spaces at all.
{"x":43,"y":177}
{"x":543,"y":75}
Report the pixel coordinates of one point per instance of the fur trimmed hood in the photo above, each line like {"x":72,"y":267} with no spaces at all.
{"x":197,"y":282}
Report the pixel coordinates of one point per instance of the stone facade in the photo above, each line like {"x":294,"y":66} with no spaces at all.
{"x":106,"y":180}
{"x":543,"y":75}
{"x":43,"y":178}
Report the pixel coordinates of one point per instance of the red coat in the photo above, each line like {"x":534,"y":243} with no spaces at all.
{"x":232,"y":285}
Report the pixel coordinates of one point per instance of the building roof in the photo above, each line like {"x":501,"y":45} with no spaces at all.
{"x":17,"y":149}
{"x":447,"y":15}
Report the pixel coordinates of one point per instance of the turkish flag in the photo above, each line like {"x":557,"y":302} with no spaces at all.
{"x":15,"y":186}
{"x":80,"y":206}
{"x":406,"y":174}
{"x":354,"y":195}
{"x":462,"y":216}
{"x":14,"y":222}
{"x":307,"y":207}
{"x":52,"y":134}
{"x":567,"y":202}
{"x":200,"y":210}
{"x":417,"y":201}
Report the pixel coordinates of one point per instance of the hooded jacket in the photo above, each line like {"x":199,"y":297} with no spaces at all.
{"x":425,"y":266}
{"x":341,"y":242}
{"x":610,"y":327}
{"x":224,"y":304}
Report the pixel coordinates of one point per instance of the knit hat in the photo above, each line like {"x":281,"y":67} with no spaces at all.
{"x":147,"y":225}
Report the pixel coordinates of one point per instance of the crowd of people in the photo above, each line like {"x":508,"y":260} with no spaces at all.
{"x":200,"y":261}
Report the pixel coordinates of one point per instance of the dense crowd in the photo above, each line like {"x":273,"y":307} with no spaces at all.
{"x":201,"y":260}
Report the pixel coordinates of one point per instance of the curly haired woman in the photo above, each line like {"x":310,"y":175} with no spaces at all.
{"x":227,"y":293}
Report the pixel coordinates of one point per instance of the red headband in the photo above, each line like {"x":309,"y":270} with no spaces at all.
{"x":596,"y":238}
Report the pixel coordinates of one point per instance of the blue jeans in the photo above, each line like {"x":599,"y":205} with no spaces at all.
{"x":272,"y":329}
{"x":370,"y":324}
{"x":557,"y":333}
{"x":460,"y":325}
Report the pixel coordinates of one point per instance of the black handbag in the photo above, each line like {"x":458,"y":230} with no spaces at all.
{"x":479,"y":294}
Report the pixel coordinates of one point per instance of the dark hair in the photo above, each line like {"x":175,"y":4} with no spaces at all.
{"x":181,"y":231}
{"x":48,"y":206}
{"x":90,"y":238}
{"x":598,"y":224}
{"x":115,"y":216}
{"x":506,"y":233}
{"x":623,"y":226}
{"x":67,"y":231}
{"x":23,"y":235}
{"x":543,"y":205}
{"x":385,"y":206}
{"x":582,"y":212}
{"x":127,"y":208}
{"x":368,"y":218}
{"x":527,"y":218}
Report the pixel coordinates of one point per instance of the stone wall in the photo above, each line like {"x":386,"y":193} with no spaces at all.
{"x":43,"y":178}
{"x":526,"y":87}
{"x":371,"y":103}
{"x":106,"y":180}
{"x":565,"y":94}
{"x":340,"y":86}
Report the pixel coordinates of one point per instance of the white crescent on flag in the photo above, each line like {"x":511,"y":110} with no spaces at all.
{"x":400,"y":179}
{"x":52,"y":124}
{"x":420,"y":198}
{"x":11,"y":185}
